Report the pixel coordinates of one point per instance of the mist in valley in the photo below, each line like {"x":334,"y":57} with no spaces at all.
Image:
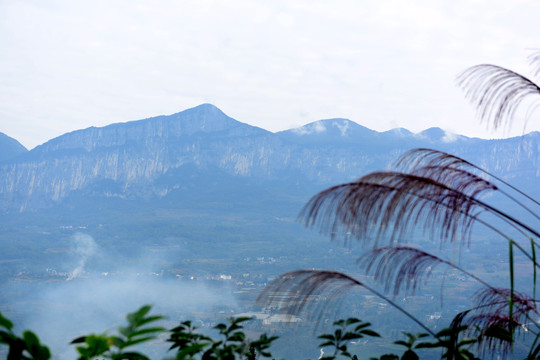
{"x":78,"y":300}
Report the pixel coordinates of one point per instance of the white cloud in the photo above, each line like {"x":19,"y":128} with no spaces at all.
{"x":449,"y":137}
{"x":316,"y":127}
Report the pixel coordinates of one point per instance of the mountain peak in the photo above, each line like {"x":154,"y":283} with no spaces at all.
{"x":328,"y":130}
{"x":206,"y":109}
{"x":205,"y":118}
{"x":437,"y":134}
{"x":330,"y":127}
{"x":433,"y":133}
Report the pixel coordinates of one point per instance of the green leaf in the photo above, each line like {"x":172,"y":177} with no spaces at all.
{"x":409,"y":355}
{"x":130,"y":356}
{"x":190,"y":351}
{"x":135,"y":317}
{"x":242,"y":319}
{"x":467,"y":341}
{"x":351,"y":321}
{"x":326,"y":336}
{"x":5,"y":323}
{"x":449,"y":332}
{"x":38,"y":351}
{"x":96,"y":345}
{"x":369,"y":332}
{"x":351,"y":336}
{"x":239,"y":336}
{"x":498,"y":332}
{"x":30,"y":339}
{"x":117,"y":341}
{"x":233,"y":327}
{"x":362,"y":326}
{"x":327,"y":343}
{"x":78,"y":340}
{"x":220,"y":327}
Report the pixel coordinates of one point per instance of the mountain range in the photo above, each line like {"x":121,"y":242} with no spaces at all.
{"x":197,"y":148}
{"x":200,"y":196}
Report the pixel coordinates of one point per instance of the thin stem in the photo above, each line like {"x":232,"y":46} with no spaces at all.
{"x":534,"y":267}
{"x":511,"y":300}
{"x":534,"y":348}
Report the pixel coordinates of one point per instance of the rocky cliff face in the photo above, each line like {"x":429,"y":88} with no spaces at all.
{"x":145,"y":158}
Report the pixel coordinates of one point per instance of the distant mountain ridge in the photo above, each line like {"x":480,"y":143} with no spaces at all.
{"x":10,"y":148}
{"x":202,"y":119}
{"x":154,"y":157}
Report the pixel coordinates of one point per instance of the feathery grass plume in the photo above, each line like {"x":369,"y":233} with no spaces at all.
{"x":494,"y":341}
{"x":295,"y":292}
{"x":455,"y":178}
{"x":401,"y":201}
{"x":419,"y":158}
{"x":399,"y":268}
{"x":292,"y":292}
{"x":391,"y":204}
{"x":496,"y":92}
{"x":445,"y":168}
{"x":491,"y":312}
{"x":403,"y":268}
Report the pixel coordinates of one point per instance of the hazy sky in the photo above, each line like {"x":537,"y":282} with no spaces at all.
{"x":66,"y":65}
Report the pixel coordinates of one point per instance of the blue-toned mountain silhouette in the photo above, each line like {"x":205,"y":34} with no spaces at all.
{"x":10,"y":148}
{"x":201,"y":153}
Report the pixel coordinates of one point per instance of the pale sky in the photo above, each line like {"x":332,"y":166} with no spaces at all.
{"x":67,"y":65}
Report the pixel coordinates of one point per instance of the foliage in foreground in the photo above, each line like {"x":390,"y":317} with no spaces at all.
{"x":231,"y":343}
{"x":185,"y":343}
